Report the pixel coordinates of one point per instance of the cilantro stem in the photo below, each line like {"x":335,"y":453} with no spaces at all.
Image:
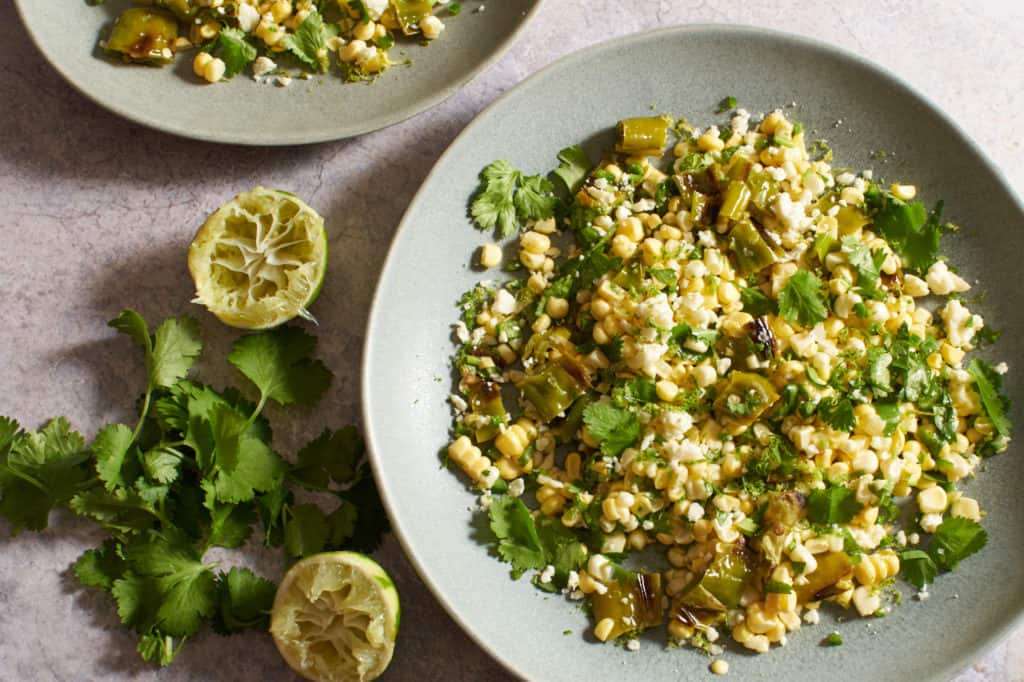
{"x":28,"y":478}
{"x":143,"y":413}
{"x":255,"y":413}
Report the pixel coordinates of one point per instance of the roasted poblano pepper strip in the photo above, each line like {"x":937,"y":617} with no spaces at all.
{"x":721,"y":586}
{"x":632,"y":602}
{"x":144,"y":35}
{"x":183,"y":9}
{"x":410,"y":13}
{"x":551,"y":389}
{"x":485,"y":401}
{"x":821,"y":584}
{"x":734,"y":200}
{"x":751,"y":251}
{"x":640,"y":136}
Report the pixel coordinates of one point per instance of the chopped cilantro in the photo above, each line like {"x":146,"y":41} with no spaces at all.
{"x":776,"y":587}
{"x":838,"y":413}
{"x":910,"y":229}
{"x":833,"y":639}
{"x":727,"y":104}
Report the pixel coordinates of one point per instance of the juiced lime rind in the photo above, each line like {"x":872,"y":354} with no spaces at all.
{"x":335,"y":618}
{"x":260,"y":259}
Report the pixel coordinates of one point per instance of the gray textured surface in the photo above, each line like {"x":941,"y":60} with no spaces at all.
{"x":97,"y":214}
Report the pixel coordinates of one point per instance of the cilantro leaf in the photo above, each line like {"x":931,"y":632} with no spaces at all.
{"x":110,"y":448}
{"x":562,"y":549}
{"x":955,"y":539}
{"x":494,"y":205}
{"x":879,"y":376}
{"x":756,"y":302}
{"x":833,"y":505}
{"x":245,"y":601}
{"x":838,"y":413}
{"x":39,"y":470}
{"x":506,"y":199}
{"x":100,"y":567}
{"x":176,"y":345}
{"x":867,"y":263}
{"x":306,"y":531}
{"x":911,"y":231}
{"x":259,"y":469}
{"x":534,"y":199}
{"x":614,"y":427}
{"x":372,"y":521}
{"x":131,"y":324}
{"x":918,"y":568}
{"x":168,"y":587}
{"x":518,"y":543}
{"x":234,"y":48}
{"x":330,"y":456}
{"x":230,"y":525}
{"x":121,"y":511}
{"x":801,"y":301}
{"x":309,"y":42}
{"x":990,"y":384}
{"x":573,"y":169}
{"x":161,"y":464}
{"x":279,"y":363}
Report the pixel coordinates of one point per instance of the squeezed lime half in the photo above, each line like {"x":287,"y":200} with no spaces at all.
{"x":335,"y":618}
{"x":260,"y":259}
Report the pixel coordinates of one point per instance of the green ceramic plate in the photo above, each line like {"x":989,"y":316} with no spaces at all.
{"x":245,"y":112}
{"x":684,"y":72}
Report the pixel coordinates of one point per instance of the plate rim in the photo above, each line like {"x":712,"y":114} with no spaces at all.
{"x":951,"y":668}
{"x":280,"y":140}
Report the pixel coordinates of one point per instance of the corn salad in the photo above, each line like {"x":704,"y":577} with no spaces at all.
{"x":234,"y":35}
{"x":740,"y":357}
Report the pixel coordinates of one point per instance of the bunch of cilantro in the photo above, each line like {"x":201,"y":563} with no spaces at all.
{"x":197,"y":470}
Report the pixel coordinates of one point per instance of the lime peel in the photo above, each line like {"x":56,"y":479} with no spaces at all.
{"x":335,"y":618}
{"x":260,"y":259}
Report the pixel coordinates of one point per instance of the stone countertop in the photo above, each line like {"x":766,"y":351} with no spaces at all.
{"x":97,"y":213}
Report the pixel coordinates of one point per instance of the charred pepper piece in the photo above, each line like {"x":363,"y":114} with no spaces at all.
{"x":641,"y":136}
{"x":144,"y":35}
{"x":632,"y":602}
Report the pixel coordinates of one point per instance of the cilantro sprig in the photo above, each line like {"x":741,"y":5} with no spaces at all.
{"x":197,"y":470}
{"x":507,"y":199}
